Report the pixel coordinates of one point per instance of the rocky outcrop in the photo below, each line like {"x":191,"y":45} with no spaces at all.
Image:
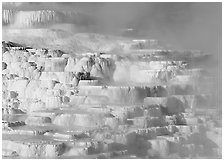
{"x":97,"y":67}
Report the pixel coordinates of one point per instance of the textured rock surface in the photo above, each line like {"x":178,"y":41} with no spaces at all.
{"x":95,"y":105}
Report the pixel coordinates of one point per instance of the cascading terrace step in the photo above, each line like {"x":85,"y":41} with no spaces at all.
{"x":105,"y":106}
{"x":33,"y":146}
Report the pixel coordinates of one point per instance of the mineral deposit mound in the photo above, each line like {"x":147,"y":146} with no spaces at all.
{"x":94,"y":96}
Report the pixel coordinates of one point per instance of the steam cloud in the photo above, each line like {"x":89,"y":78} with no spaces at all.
{"x":184,"y":25}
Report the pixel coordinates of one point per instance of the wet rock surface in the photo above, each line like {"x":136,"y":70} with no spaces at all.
{"x":58,"y":105}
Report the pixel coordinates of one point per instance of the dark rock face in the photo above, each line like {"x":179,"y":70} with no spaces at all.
{"x":4,"y":65}
{"x":174,"y":106}
{"x":83,"y":76}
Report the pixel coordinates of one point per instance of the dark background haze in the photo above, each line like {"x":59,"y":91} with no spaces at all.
{"x":182,"y":25}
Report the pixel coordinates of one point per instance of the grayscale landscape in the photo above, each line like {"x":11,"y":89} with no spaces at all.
{"x":111,"y":80}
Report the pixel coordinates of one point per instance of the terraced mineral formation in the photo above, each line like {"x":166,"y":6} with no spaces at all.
{"x":36,"y":18}
{"x":96,"y":105}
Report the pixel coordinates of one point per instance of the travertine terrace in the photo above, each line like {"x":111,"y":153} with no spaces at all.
{"x":144,"y":103}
